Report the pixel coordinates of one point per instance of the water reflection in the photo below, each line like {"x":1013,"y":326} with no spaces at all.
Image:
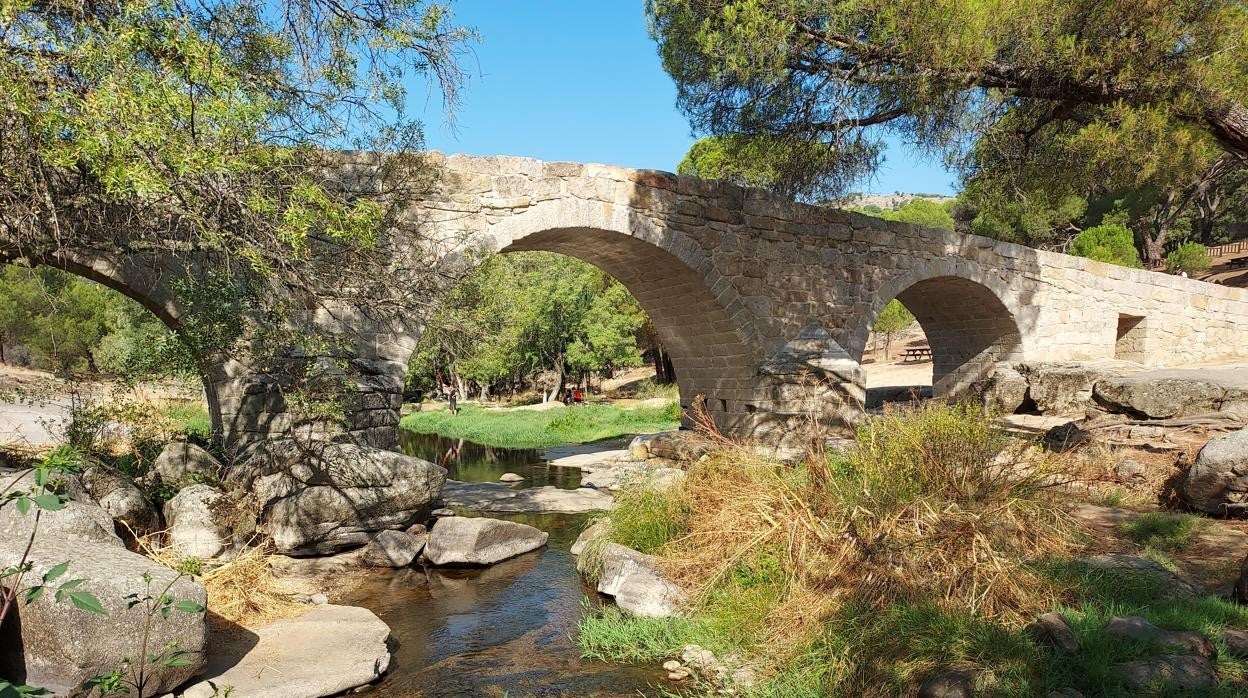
{"x":501,"y":630}
{"x":470,"y":462}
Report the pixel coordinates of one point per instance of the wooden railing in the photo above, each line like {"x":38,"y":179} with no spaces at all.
{"x":1228,"y":249}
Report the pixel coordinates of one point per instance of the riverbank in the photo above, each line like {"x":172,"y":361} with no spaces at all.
{"x":528,"y":428}
{"x":936,"y":556}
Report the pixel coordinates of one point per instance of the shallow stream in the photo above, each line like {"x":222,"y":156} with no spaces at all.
{"x":505,"y":630}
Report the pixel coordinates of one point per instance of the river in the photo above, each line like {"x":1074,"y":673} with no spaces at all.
{"x":505,"y":630}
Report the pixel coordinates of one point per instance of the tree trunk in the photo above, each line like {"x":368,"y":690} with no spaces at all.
{"x":664,"y":372}
{"x":1230,"y":127}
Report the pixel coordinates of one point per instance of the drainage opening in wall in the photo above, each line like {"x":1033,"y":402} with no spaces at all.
{"x":1129,"y":344}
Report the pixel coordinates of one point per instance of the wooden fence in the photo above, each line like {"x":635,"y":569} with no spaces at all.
{"x":1229,"y":248}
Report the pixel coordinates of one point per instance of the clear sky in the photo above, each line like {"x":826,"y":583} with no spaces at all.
{"x":581,"y":80}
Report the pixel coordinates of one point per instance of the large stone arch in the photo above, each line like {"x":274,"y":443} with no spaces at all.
{"x":972,"y":321}
{"x":699,"y":315}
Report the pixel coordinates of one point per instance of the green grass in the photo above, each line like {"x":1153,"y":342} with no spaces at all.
{"x":532,"y":428}
{"x":1162,"y":531}
{"x":191,"y":419}
{"x":879,"y":623}
{"x":647,"y":518}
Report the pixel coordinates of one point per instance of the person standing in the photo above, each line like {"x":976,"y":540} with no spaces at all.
{"x":454,"y":401}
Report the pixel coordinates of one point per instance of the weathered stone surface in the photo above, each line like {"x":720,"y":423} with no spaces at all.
{"x":1217,"y":483}
{"x":480,"y":541}
{"x":1132,"y":565}
{"x":78,"y":521}
{"x":338,"y":496}
{"x":199,"y":524}
{"x":593,"y":531}
{"x":635,"y":581}
{"x":1161,"y":398}
{"x":1004,"y":391}
{"x":680,"y":446}
{"x":117,"y":494}
{"x":1175,"y":671}
{"x":1137,"y":629}
{"x":1061,"y":388}
{"x":511,"y":477}
{"x":500,"y":498}
{"x":732,"y":279}
{"x":325,"y":652}
{"x":181,"y":462}
{"x":948,"y":684}
{"x":391,"y":549}
{"x":62,"y":646}
{"x":1236,"y":641}
{"x":1053,"y":630}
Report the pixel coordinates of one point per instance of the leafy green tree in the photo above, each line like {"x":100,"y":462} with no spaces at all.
{"x":922,"y":212}
{"x":1067,"y":97}
{"x":1111,"y":242}
{"x":894,"y":318}
{"x":1188,"y":257}
{"x":522,"y":314}
{"x":200,"y":129}
{"x":1037,"y":219}
{"x":19,"y":294}
{"x":795,"y":167}
{"x":936,"y":72}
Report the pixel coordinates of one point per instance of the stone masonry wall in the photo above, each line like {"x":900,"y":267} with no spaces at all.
{"x":765,"y":305}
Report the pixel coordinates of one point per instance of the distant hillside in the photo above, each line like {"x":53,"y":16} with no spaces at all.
{"x":889,"y":201}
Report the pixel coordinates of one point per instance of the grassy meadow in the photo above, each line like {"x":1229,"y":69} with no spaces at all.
{"x":521,"y":428}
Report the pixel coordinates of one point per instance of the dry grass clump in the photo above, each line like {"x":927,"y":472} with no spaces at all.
{"x":247,"y":591}
{"x":933,"y":506}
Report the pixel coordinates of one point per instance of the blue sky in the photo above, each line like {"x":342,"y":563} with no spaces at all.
{"x":581,"y":80}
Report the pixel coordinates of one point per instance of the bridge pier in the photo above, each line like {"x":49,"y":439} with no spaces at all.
{"x":345,"y":384}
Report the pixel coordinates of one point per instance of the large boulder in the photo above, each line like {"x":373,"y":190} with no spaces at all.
{"x":325,"y":652}
{"x":1172,"y":671}
{"x":205,"y":523}
{"x":78,"y":521}
{"x":1063,"y":389}
{"x":1136,"y":629}
{"x":634,"y":580}
{"x":1004,"y":391}
{"x":392,"y":549}
{"x":1160,"y":398}
{"x":480,"y":541}
{"x":680,"y":446}
{"x":61,"y":646}
{"x":183,"y":462}
{"x":117,"y":494}
{"x":1217,"y":483}
{"x":327,"y":498}
{"x":1133,"y":566}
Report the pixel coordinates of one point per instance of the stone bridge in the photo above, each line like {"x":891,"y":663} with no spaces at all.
{"x":764,"y":304}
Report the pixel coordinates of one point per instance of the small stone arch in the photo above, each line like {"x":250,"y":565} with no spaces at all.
{"x":970,"y":319}
{"x":700,"y":318}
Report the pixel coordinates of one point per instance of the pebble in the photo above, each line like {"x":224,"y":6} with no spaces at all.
{"x":443,"y":512}
{"x":671,"y":665}
{"x":320,"y":599}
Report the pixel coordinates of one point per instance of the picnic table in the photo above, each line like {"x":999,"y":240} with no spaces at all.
{"x":1238,"y":262}
{"x":916,"y":354}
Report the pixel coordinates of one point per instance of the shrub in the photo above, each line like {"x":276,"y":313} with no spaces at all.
{"x":647,"y":518}
{"x":1189,"y":257}
{"x":1109,"y":242}
{"x":855,"y":573}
